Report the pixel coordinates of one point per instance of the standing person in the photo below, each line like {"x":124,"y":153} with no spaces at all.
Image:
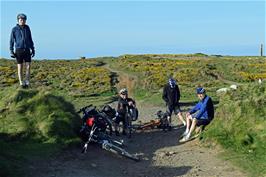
{"x":21,"y":37}
{"x":171,"y":95}
{"x":124,"y":103}
{"x":204,"y":113}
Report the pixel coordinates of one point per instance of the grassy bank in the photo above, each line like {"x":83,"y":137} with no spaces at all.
{"x":240,"y":127}
{"x":36,"y":123}
{"x":33,"y":124}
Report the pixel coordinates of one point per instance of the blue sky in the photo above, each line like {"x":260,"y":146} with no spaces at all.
{"x":69,"y":29}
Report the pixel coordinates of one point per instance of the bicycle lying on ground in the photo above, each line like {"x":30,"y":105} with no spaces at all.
{"x":161,"y":122}
{"x":94,"y":129}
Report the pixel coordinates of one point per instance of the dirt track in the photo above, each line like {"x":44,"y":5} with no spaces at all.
{"x":161,"y":155}
{"x":160,"y":152}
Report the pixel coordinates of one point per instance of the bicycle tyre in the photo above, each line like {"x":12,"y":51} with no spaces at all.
{"x":124,"y":153}
{"x":120,"y":151}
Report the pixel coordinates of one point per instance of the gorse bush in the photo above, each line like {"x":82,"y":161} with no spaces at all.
{"x":92,"y":80}
{"x":191,"y":71}
{"x":156,"y":71}
{"x":78,"y":77}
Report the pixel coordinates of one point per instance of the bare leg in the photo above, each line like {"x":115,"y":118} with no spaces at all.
{"x":20,"y":70}
{"x":181,"y":118}
{"x":193,"y":126}
{"x":189,"y":118}
{"x":27,"y":81}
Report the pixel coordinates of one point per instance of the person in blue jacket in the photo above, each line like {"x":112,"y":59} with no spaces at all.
{"x":24,"y":48}
{"x":201,"y":114}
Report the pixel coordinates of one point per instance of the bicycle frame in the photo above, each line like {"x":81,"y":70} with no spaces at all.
{"x":106,"y":143}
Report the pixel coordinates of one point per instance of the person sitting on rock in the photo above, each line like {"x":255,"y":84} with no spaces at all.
{"x":201,"y":114}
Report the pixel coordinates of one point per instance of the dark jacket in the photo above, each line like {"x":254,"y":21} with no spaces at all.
{"x":123,"y":105}
{"x":205,"y":109}
{"x":21,"y":37}
{"x":171,"y":95}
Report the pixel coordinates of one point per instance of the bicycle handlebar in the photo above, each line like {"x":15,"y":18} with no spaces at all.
{"x":84,"y":108}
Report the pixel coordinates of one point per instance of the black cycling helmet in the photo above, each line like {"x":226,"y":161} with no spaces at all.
{"x":23,"y":16}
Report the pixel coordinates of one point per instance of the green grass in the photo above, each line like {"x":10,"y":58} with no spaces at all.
{"x":38,"y":122}
{"x":33,"y":123}
{"x":240,"y":127}
{"x":150,"y":97}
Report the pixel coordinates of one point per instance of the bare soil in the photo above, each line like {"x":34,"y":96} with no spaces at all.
{"x":160,"y":152}
{"x":161,"y":156}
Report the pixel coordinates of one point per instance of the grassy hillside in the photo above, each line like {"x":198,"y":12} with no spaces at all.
{"x":42,"y":120}
{"x":240,"y":127}
{"x":38,"y":122}
{"x":31,"y":121}
{"x":211,"y":72}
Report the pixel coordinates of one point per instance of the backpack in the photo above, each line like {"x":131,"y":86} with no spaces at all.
{"x":133,"y":114}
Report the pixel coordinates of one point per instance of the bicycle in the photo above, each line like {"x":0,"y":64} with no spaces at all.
{"x":94,"y":129}
{"x":161,"y":122}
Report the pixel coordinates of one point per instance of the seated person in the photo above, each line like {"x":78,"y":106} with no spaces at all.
{"x":204,"y":113}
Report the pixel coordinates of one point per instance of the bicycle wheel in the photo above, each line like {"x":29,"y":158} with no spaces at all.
{"x":120,"y":151}
{"x":119,"y":143}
